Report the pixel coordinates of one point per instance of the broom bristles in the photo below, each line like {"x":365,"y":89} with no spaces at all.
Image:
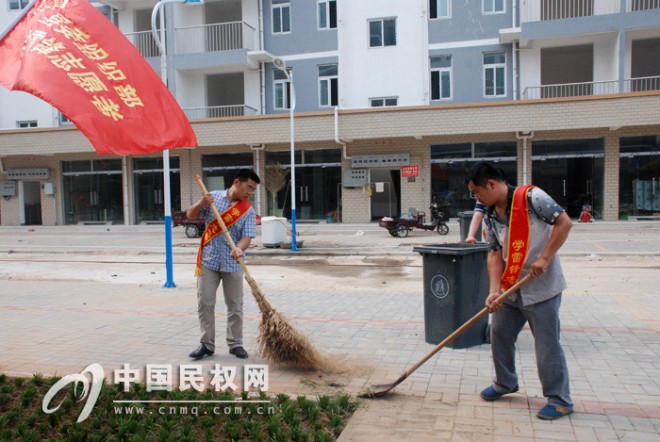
{"x":282,"y":344}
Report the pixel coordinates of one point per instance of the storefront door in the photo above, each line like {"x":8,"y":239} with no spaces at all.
{"x":639,"y":177}
{"x":317,"y":188}
{"x":92,"y":191}
{"x":571,"y":172}
{"x":31,"y":197}
{"x":570,"y":181}
{"x":149,"y":188}
{"x":386,"y":193}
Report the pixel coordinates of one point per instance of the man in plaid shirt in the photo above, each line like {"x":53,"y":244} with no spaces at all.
{"x":220,"y":264}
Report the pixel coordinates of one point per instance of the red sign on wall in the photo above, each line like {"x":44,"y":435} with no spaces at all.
{"x":409,"y":171}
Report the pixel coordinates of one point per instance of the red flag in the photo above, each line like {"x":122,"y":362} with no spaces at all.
{"x":70,"y":55}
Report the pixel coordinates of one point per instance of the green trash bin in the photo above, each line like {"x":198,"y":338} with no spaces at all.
{"x":464,"y":220}
{"x":455,"y":289}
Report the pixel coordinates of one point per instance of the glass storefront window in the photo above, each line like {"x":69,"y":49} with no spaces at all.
{"x":451,"y":151}
{"x":318,"y":179}
{"x":495,"y":150}
{"x":92,"y":191}
{"x":571,"y":172}
{"x":449,"y":189}
{"x":149,"y":188}
{"x":450,"y":164}
{"x":639,"y":177}
{"x":568,"y":148}
{"x":220,"y":170}
{"x":77,"y":166}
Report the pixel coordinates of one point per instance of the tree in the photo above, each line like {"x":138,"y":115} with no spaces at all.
{"x":275,"y":181}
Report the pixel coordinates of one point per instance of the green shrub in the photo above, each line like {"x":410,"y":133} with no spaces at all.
{"x":37,"y":379}
{"x":302,"y":419}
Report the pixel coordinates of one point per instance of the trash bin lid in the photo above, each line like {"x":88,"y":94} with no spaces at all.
{"x":451,"y":249}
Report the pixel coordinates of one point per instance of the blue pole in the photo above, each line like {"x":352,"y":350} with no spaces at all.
{"x":293,"y":230}
{"x":294,"y":248}
{"x":160,"y":41}
{"x":169,"y":262}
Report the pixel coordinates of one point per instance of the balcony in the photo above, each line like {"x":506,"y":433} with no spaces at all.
{"x":641,"y":5}
{"x":144,"y":42}
{"x":641,"y":84}
{"x":215,"y":37}
{"x":199,"y":39}
{"x":544,"y":10}
{"x":591,"y":88}
{"x":239,"y":110}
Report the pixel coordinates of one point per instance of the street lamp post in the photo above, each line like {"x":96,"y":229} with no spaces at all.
{"x":281,"y":65}
{"x":160,"y":42}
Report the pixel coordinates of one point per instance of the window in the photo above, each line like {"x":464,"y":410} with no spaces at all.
{"x":15,"y":5}
{"x":493,"y":6}
{"x":110,"y":13}
{"x":495,"y":74}
{"x":327,"y":14}
{"x":439,"y":8}
{"x":64,"y":121}
{"x":328,"y":85}
{"x":26,"y":124}
{"x":281,"y":16}
{"x":282,"y":90}
{"x":382,"y":102}
{"x":441,"y":78}
{"x":382,"y":32}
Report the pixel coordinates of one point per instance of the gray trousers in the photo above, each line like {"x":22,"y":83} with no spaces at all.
{"x":232,"y":288}
{"x":543,"y":320}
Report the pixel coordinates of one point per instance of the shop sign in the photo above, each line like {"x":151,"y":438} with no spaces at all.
{"x":409,"y":171}
{"x":7,"y":188}
{"x":28,"y":174}
{"x":391,"y":160}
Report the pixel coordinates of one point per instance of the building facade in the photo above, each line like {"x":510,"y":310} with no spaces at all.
{"x":394,"y":101}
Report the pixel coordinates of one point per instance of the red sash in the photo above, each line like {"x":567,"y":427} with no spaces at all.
{"x":518,"y":242}
{"x":229,"y":216}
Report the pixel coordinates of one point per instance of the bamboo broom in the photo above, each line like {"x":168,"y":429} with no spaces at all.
{"x":278,"y":341}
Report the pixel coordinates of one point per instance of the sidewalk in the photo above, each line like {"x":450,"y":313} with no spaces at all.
{"x":73,"y":296}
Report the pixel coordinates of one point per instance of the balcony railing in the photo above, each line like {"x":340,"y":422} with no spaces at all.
{"x":239,"y":110}
{"x":542,"y":10}
{"x":571,"y":90}
{"x":197,"y":39}
{"x":145,"y":43}
{"x":642,"y":84}
{"x":591,"y":88}
{"x":214,"y":37}
{"x":641,"y":5}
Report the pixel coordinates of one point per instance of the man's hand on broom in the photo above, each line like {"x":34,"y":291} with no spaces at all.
{"x":237,"y":253}
{"x":243,"y":244}
{"x":207,"y":199}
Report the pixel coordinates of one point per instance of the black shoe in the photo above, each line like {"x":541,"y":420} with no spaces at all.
{"x":239,"y":352}
{"x":200,"y":352}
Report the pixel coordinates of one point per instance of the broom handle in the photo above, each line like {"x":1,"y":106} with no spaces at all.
{"x":467,"y":324}
{"x":255,"y":289}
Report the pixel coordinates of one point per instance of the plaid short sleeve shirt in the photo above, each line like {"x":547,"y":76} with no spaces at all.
{"x":541,"y":204}
{"x":216,"y":254}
